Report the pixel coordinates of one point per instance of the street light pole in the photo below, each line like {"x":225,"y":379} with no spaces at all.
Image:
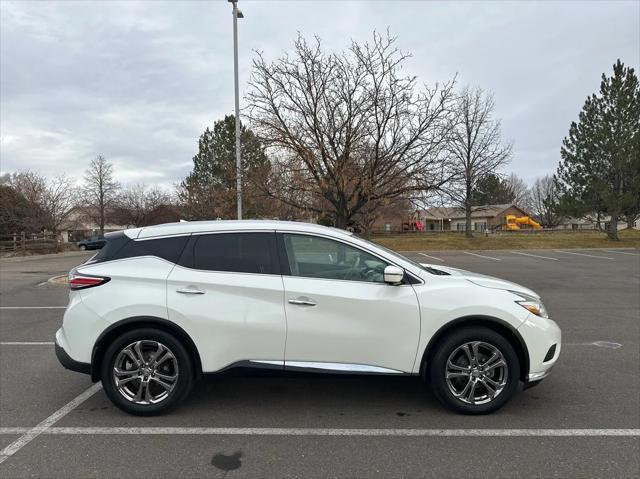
{"x":237,"y":14}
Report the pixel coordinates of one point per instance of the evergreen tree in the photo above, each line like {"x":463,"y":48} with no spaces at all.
{"x":600,"y":167}
{"x":491,"y":190}
{"x":210,"y":189}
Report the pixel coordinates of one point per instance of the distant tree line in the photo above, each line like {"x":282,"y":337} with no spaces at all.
{"x":342,"y":137}
{"x":31,"y":203}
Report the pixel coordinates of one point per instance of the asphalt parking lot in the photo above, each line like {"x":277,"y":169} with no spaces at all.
{"x":582,"y":421}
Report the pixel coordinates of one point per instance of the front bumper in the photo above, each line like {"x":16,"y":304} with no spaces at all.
{"x":540,"y":335}
{"x":533,"y":377}
{"x":68,"y":362}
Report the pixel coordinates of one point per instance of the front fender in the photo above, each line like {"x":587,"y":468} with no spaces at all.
{"x":453,"y":300}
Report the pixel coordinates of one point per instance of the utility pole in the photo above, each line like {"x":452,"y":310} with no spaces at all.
{"x":237,"y":14}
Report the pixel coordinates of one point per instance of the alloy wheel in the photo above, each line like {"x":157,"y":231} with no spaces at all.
{"x":476,"y":372}
{"x":145,"y":372}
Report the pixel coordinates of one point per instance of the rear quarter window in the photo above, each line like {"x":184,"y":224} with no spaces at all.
{"x":120,"y":246}
{"x":168,"y":249}
{"x":113,"y":243}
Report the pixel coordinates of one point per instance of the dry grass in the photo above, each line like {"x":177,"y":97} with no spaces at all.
{"x":507,"y":240}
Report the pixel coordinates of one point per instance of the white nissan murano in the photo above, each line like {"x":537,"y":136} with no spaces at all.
{"x":160,"y":306}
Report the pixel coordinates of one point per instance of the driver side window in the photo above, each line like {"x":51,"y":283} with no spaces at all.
{"x":316,"y":257}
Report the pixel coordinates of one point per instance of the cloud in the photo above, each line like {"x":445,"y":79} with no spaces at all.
{"x":139,"y":81}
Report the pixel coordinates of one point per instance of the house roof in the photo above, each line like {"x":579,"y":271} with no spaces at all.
{"x":455,"y":212}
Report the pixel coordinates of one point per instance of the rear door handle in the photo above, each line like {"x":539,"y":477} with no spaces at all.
{"x":189,"y":291}
{"x":303,"y":301}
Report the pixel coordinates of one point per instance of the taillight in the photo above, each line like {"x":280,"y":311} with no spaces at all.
{"x":84,"y":281}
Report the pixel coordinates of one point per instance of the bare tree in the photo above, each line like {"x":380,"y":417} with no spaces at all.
{"x":137,"y":204}
{"x":30,"y":184}
{"x":520,"y":191}
{"x":52,"y":199}
{"x":348,"y":127}
{"x":100,"y":190}
{"x":545,"y":197}
{"x":58,"y":200}
{"x":475,"y":146}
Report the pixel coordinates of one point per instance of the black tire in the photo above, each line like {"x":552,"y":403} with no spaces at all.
{"x":183,"y":383}
{"x":83,"y":248}
{"x":437,"y":365}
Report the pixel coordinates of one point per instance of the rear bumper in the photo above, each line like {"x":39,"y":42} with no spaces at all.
{"x":68,"y":362}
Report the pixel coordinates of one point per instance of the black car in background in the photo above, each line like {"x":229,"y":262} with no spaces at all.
{"x":95,"y":242}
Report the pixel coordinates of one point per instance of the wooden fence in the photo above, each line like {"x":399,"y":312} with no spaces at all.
{"x":23,"y":243}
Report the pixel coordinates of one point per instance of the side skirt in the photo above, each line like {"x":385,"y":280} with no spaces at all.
{"x":312,"y":367}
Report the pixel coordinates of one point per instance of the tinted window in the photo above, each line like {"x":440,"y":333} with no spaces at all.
{"x":315,"y":257}
{"x":113,"y":243}
{"x":233,"y":252}
{"x":165,"y":248}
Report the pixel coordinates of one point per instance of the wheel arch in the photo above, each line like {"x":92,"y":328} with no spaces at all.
{"x":502,"y":327}
{"x":137,"y":322}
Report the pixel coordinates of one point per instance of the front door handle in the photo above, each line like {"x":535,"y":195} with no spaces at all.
{"x":303,"y":301}
{"x":189,"y":291}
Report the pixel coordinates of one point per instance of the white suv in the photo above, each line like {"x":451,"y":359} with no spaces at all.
{"x":159,"y":306}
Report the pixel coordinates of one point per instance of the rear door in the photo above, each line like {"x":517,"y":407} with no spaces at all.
{"x":340,"y":314}
{"x":227,"y":292}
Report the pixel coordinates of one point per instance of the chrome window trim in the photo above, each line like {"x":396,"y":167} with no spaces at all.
{"x":382,"y":257}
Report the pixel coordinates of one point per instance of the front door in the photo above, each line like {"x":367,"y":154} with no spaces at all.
{"x":341,"y":315}
{"x":227,"y":293}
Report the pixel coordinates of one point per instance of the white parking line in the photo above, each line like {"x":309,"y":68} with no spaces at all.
{"x":278,"y":431}
{"x":481,"y":256}
{"x":534,"y":255}
{"x":620,"y":252}
{"x":26,"y":343}
{"x":583,"y":254}
{"x":30,"y":434}
{"x":32,"y":307}
{"x":432,"y":257}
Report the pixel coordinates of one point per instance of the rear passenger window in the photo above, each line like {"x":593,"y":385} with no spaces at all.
{"x":233,"y":252}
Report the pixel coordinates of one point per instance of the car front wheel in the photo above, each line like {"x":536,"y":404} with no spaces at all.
{"x":146,"y":372}
{"x":474,"y":370}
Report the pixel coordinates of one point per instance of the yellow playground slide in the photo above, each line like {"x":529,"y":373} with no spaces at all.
{"x":514,"y":222}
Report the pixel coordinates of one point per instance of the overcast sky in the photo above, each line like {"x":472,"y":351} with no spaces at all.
{"x":140,"y":81}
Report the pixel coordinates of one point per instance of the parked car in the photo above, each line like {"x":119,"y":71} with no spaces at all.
{"x":160,"y":306}
{"x":95,"y":242}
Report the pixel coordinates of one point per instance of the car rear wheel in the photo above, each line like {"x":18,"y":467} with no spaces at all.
{"x":474,"y":370}
{"x":146,"y":372}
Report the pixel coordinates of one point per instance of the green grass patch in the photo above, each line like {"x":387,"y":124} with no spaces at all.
{"x":507,"y":240}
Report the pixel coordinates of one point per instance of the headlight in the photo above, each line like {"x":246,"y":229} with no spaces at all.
{"x":532,"y":304}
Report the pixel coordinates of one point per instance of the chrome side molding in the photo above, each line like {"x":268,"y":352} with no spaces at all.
{"x":327,"y":367}
{"x":341,"y":367}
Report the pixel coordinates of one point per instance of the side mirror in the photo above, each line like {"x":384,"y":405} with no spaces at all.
{"x":393,"y":275}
